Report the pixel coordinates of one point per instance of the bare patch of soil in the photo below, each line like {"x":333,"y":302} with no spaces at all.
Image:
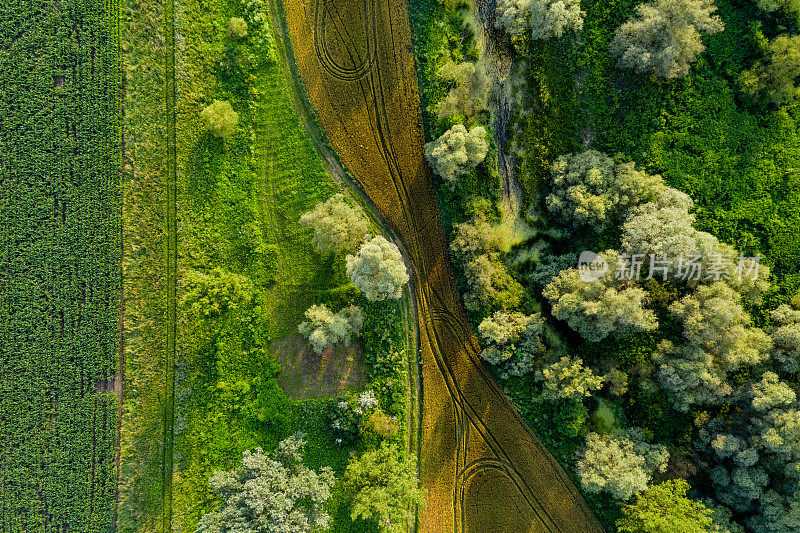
{"x":307,"y":374}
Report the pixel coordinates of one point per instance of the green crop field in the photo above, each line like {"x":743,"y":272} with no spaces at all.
{"x":60,"y":162}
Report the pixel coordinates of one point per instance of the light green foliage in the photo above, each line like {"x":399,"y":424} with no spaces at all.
{"x":507,"y":327}
{"x":690,"y":375}
{"x":478,"y":244}
{"x":468,"y":94}
{"x":338,"y":226}
{"x":781,"y":435}
{"x":775,"y":76}
{"x":457,"y":152}
{"x":599,"y":308}
{"x":323,"y":328}
{"x":590,"y":189}
{"x":786,"y":338}
{"x":210,"y":294}
{"x":270,"y":494}
{"x":514,"y":341}
{"x":381,"y":424}
{"x":664,"y":230}
{"x":664,"y":36}
{"x":378,"y":270}
{"x":545,"y":18}
{"x":551,"y":18}
{"x":770,"y":393}
{"x":568,"y":379}
{"x":665,"y":508}
{"x":714,"y":321}
{"x":385,"y":488}
{"x":513,"y":16}
{"x":621,"y":465}
{"x":718,"y":341}
{"x":490,"y":284}
{"x":220,"y":118}
{"x":237,"y":28}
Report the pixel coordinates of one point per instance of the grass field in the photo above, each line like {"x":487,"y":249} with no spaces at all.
{"x":60,"y":163}
{"x":364,"y":90}
{"x":237,"y":225}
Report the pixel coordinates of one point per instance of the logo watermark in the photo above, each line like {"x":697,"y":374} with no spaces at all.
{"x":638,"y":267}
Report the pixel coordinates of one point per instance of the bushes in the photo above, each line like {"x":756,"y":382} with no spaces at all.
{"x":220,"y":119}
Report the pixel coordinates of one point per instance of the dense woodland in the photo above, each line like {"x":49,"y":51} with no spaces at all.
{"x":667,"y":127}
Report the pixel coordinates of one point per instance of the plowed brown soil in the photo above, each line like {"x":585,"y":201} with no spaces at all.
{"x":484,"y":470}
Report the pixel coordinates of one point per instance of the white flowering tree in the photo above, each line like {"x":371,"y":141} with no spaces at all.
{"x":323,"y":328}
{"x":338,"y":226}
{"x":664,"y":36}
{"x":271,"y":494}
{"x":457,"y":151}
{"x":378,"y":270}
{"x":544,"y":19}
{"x":590,"y":190}
{"x":601,"y":307}
{"x":621,"y":465}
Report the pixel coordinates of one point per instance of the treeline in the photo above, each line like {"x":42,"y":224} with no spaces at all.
{"x":60,"y":141}
{"x":664,"y":131}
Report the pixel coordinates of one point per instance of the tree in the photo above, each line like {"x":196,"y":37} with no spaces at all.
{"x":270,"y":494}
{"x":551,"y":18}
{"x":513,"y":16}
{"x":545,"y":18}
{"x":590,"y":190}
{"x":786,"y":338}
{"x":770,"y":6}
{"x":690,"y":375}
{"x":490,"y":284}
{"x":220,"y":118}
{"x":468,"y":94}
{"x":770,"y":393}
{"x":665,"y":508}
{"x":457,"y":152}
{"x":568,"y":379}
{"x":714,"y":321}
{"x":378,"y":270}
{"x":338,"y":227}
{"x":777,"y":514}
{"x":718,"y":341}
{"x":602,"y":307}
{"x":385,"y":488}
{"x":323,"y":328}
{"x":513,"y":341}
{"x":775,"y":77}
{"x":237,"y":28}
{"x":620,"y":464}
{"x":664,"y":36}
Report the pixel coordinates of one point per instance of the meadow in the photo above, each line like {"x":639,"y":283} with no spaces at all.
{"x":245,"y":270}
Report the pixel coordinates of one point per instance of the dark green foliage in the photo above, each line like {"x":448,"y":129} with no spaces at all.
{"x":60,"y":165}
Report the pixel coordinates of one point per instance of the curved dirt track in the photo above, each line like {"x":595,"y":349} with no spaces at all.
{"x":484,"y":470}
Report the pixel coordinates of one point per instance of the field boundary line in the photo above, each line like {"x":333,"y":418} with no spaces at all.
{"x":171,"y":198}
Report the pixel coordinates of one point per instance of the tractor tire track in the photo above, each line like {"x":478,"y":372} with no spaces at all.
{"x":370,"y":133}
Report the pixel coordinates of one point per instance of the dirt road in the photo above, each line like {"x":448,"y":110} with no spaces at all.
{"x":484,"y":470}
